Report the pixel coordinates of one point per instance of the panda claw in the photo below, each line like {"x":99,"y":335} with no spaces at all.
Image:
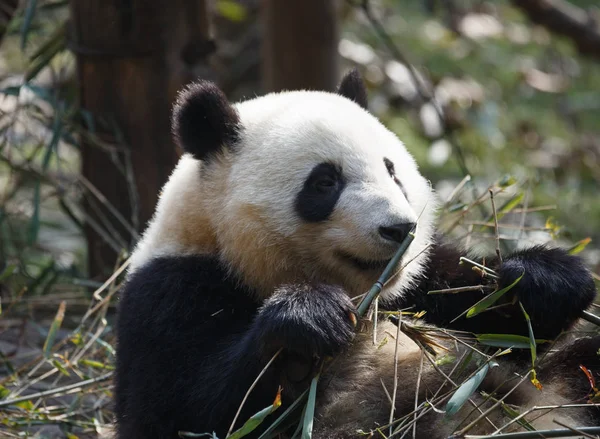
{"x":353,"y":318}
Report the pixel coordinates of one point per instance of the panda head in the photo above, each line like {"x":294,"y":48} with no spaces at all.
{"x":291,"y":187}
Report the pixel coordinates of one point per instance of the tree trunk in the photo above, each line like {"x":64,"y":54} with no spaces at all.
{"x":300,"y":45}
{"x":132,"y":56}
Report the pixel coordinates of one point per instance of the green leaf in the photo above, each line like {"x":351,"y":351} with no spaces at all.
{"x":56,"y":324}
{"x":506,"y":341}
{"x":60,"y":368}
{"x":507,"y":207}
{"x":267,"y":434}
{"x":27,"y":19}
{"x":212,"y":435}
{"x":515,"y":414}
{"x":532,"y":343}
{"x":34,"y":227}
{"x":445,"y":359}
{"x":309,"y":411}
{"x":456,"y":207}
{"x":14,"y":90}
{"x":41,"y":92}
{"x":4,"y":392}
{"x":490,"y":299}
{"x":46,"y":52}
{"x":579,"y":246}
{"x":510,"y":204}
{"x":257,"y":419}
{"x":507,"y":180}
{"x":7,"y":272}
{"x":25,"y":405}
{"x":232,"y":10}
{"x":464,"y":392}
{"x":95,"y":364}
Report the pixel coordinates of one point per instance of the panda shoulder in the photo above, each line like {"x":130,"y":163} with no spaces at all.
{"x":198,"y":282}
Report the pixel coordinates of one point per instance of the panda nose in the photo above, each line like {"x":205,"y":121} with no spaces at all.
{"x":396,"y":232}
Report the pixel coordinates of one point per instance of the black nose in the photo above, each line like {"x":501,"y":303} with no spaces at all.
{"x":396,"y":232}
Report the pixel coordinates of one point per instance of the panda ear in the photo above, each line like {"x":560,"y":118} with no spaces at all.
{"x":353,"y":88}
{"x":204,"y":121}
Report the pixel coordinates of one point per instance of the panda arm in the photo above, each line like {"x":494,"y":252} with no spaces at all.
{"x":184,"y":358}
{"x":191,"y":341}
{"x":556,"y":287}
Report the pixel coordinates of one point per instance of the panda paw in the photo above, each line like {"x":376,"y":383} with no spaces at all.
{"x":311,"y":320}
{"x":555,"y":288}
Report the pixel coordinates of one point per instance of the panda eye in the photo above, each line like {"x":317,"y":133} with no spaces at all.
{"x":325,"y":183}
{"x":324,"y":179}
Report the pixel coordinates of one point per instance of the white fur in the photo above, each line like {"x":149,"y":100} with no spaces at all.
{"x":247,"y":197}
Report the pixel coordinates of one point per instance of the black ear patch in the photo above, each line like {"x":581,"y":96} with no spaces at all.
{"x":204,"y":121}
{"x":353,"y":88}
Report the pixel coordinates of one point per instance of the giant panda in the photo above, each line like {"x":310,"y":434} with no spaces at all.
{"x":284,"y":209}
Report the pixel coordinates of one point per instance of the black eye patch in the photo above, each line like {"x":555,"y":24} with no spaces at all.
{"x":320,"y":193}
{"x":389,"y":165}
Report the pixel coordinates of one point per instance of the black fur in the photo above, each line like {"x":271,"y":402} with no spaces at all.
{"x":204,"y":121}
{"x":555,"y":289}
{"x":191,"y":341}
{"x":353,"y":88}
{"x":309,"y":320}
{"x":396,"y":232}
{"x":320,"y":193}
{"x":389,"y":165}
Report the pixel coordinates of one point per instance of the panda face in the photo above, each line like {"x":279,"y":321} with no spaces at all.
{"x":324,"y":193}
{"x":291,"y":187}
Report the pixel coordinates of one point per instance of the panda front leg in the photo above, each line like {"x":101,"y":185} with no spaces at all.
{"x":305,"y":321}
{"x":555,"y":289}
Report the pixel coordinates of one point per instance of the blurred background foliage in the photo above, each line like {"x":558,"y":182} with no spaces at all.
{"x":471,"y":87}
{"x":515,"y":99}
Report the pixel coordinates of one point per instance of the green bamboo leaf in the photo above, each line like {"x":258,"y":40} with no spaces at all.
{"x":26,"y":405}
{"x":507,"y":207}
{"x":4,"y":392}
{"x":27,"y":19}
{"x":13,"y":90}
{"x":60,"y":368}
{"x":256,"y":419}
{"x":532,"y":343}
{"x":34,"y":226}
{"x":506,"y":341}
{"x":579,"y":246}
{"x":507,"y":180}
{"x":456,"y":207}
{"x":268,"y":433}
{"x":56,"y":324}
{"x":7,"y":272}
{"x":47,"y":51}
{"x":212,"y":435}
{"x":490,"y":299}
{"x":46,"y":45}
{"x":95,"y":364}
{"x":514,"y":414}
{"x":41,"y":92}
{"x":309,"y":411}
{"x":510,"y":204}
{"x":464,"y":392}
{"x":232,"y":10}
{"x":54,"y":5}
